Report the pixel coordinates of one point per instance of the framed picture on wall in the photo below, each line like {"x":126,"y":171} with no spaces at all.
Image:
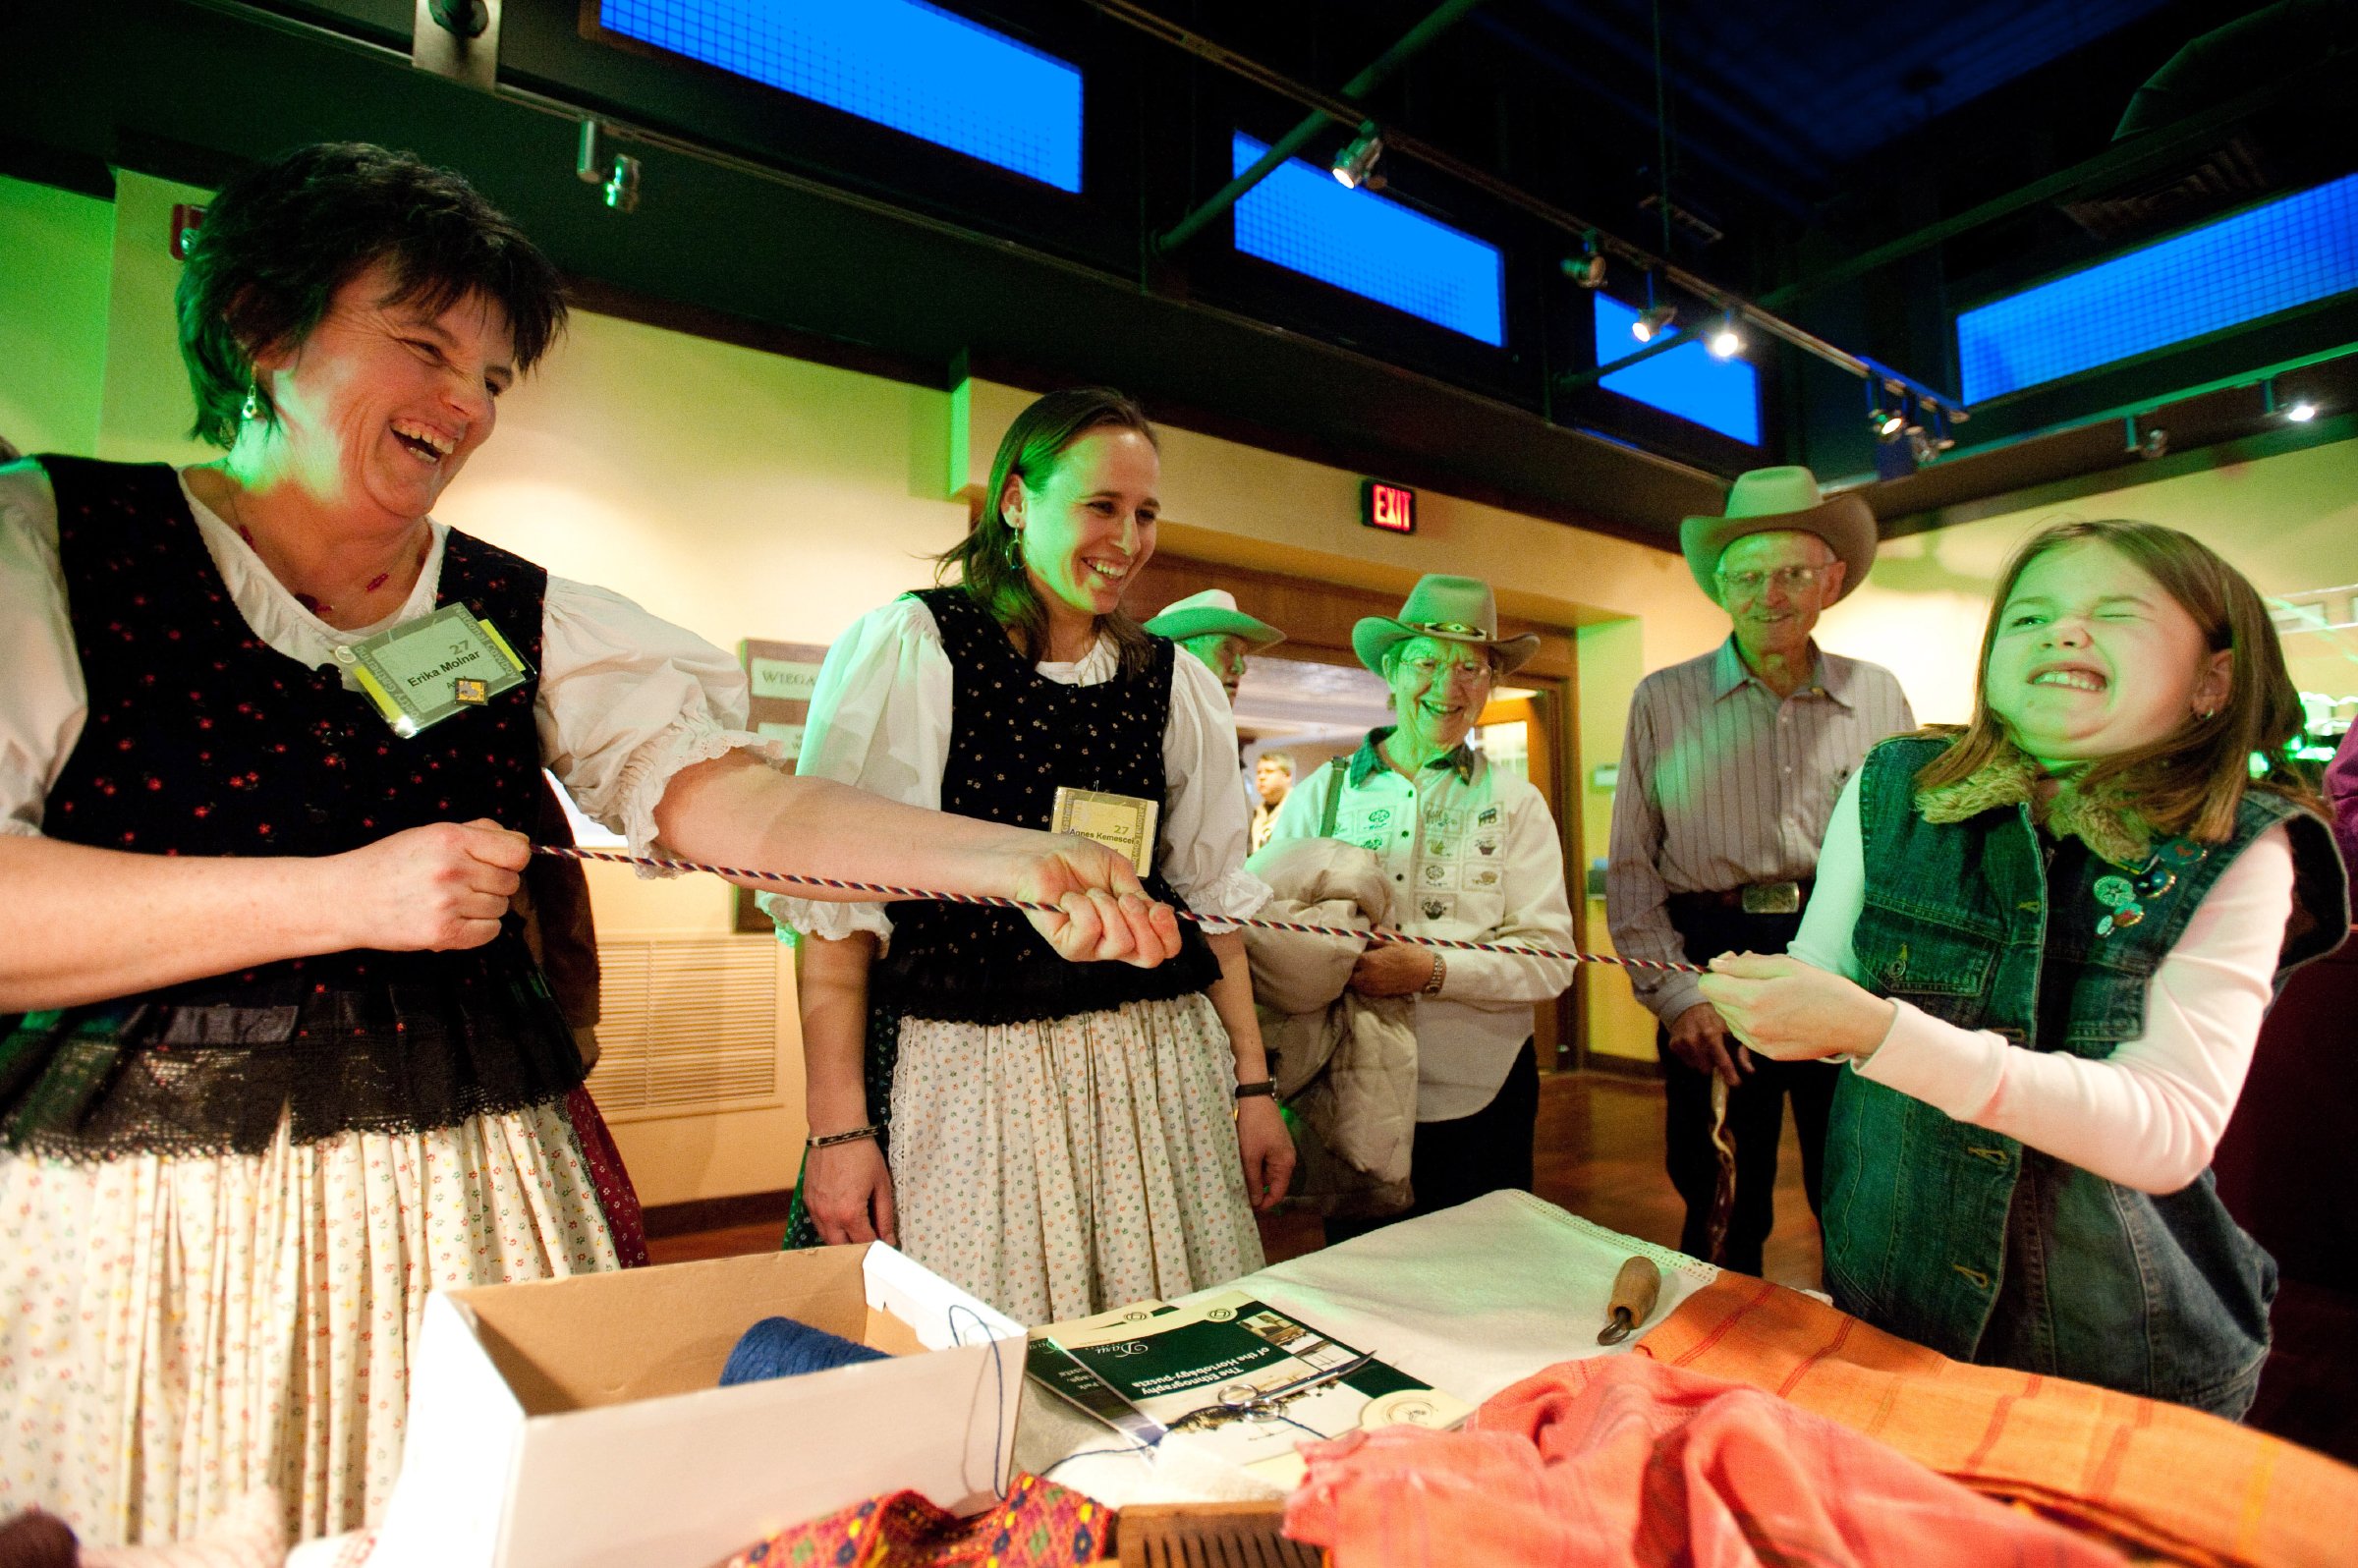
{"x":782,"y":675}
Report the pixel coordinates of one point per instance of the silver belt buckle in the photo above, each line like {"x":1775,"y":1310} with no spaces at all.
{"x":1773,"y":898}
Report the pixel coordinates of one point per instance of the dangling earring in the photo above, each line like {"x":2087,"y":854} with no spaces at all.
{"x":1015,"y":546}
{"x":251,"y":408}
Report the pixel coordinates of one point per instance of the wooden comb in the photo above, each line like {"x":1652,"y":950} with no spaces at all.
{"x":1221,"y":1534}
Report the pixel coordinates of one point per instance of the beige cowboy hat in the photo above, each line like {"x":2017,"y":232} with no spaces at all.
{"x":1454,"y":610}
{"x":1775,"y":500}
{"x":1213,"y":610}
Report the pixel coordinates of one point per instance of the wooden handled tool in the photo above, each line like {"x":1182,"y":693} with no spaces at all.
{"x":1636,"y":1288}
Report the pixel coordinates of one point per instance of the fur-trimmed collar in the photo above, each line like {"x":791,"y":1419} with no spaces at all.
{"x":2105,"y":822}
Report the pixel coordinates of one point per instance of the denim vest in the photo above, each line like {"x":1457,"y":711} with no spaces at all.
{"x":1964,"y":1240}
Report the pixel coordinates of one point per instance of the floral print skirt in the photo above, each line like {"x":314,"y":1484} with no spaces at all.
{"x":175,"y":1330}
{"x":1061,"y":1167}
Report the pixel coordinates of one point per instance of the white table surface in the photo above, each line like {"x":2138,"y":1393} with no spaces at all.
{"x":1471,"y":1299}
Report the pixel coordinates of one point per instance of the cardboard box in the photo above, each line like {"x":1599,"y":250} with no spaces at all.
{"x":577,"y":1421}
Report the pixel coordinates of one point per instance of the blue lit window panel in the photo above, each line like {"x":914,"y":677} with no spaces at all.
{"x":1303,"y":220}
{"x":2275,"y":258}
{"x":1689,"y":381}
{"x":900,"y":63}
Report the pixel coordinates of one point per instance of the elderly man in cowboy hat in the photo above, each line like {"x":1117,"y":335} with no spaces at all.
{"x":1210,"y":626}
{"x":1473,"y":853}
{"x":1728,"y":775}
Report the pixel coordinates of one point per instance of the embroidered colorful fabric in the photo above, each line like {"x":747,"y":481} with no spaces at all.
{"x":1040,"y":1524}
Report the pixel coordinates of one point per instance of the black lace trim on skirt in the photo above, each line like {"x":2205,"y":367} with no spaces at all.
{"x":473,"y":1035}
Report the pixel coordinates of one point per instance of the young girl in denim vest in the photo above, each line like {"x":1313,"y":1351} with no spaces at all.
{"x":2045,"y":943}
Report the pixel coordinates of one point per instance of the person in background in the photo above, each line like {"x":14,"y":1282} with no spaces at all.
{"x":274,"y":1063}
{"x":1058,"y":1144}
{"x":1472,"y":853}
{"x":1730,"y":771}
{"x":1210,"y":626}
{"x":2045,"y":944}
{"x":1273,"y":781}
{"x":2342,"y":795}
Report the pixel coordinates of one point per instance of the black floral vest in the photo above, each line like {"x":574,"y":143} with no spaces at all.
{"x":202,"y":740}
{"x":1015,"y":737}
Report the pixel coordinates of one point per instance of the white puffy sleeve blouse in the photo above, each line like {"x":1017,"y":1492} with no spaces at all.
{"x":626,"y":700}
{"x":881,"y":720}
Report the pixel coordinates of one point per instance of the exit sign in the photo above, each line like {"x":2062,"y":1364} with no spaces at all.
{"x":1391,"y":507}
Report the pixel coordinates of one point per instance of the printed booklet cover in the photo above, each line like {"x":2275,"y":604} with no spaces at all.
{"x":1231,"y":1376}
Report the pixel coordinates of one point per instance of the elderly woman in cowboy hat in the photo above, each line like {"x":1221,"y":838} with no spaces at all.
{"x":1472,"y":853}
{"x":1729,"y":774}
{"x":274,"y":1063}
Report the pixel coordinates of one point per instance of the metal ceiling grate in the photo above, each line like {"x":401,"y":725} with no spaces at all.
{"x":2258,"y":264}
{"x":900,"y":63}
{"x":1303,"y":220}
{"x":688,"y":1024}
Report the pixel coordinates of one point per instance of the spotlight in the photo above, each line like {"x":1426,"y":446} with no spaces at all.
{"x":1587,"y":269}
{"x":1355,"y":165}
{"x":2301,"y":412}
{"x":1726,"y":342}
{"x":621,"y":189}
{"x":1653,"y":321}
{"x":1888,"y":423}
{"x":615,"y":174}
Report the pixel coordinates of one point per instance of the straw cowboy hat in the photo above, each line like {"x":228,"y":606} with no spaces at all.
{"x":1213,"y":610}
{"x":1773,"y":500}
{"x":1454,"y":610}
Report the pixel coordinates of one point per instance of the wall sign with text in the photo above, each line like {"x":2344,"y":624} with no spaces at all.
{"x":1390,"y":507}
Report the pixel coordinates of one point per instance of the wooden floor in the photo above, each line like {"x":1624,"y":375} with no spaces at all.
{"x":1600,"y":1157}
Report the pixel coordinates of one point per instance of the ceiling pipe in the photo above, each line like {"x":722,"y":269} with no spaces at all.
{"x":1358,"y":87}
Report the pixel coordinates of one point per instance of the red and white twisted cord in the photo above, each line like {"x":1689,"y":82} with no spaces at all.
{"x":1449,"y":944}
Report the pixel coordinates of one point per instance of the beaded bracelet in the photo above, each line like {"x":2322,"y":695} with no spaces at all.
{"x":872,"y":1129}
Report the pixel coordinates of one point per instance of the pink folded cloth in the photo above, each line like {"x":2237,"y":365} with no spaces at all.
{"x":1627,"y":1462}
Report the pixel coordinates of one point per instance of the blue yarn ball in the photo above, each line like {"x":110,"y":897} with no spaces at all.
{"x":781,"y":1347}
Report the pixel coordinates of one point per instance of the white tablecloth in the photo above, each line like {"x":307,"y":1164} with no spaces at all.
{"x":1471,"y":1299}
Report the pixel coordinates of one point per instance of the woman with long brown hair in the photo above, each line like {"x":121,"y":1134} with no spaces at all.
{"x":2045,"y":944}
{"x":1058,"y":1143}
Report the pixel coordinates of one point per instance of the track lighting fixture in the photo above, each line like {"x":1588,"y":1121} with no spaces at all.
{"x":1587,"y":269}
{"x":1653,"y":321}
{"x":1726,"y":342}
{"x":2302,"y":412}
{"x":615,"y":174}
{"x":1355,"y":165}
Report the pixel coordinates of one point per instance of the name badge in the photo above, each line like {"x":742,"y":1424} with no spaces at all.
{"x":1124,"y":823}
{"x":422,"y":672}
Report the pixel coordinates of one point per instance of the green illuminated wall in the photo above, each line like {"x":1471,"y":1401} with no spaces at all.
{"x":53,"y":285}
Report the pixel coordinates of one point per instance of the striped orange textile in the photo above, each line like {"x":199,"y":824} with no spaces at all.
{"x":2158,"y":1478}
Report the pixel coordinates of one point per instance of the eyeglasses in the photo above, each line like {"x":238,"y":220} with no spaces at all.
{"x":1425,"y":666}
{"x":1793,"y":578}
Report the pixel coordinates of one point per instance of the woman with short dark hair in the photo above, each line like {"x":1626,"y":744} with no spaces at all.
{"x":273,"y":1061}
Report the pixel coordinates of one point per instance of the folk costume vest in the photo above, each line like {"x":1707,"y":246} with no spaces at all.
{"x":1966,"y":1241}
{"x":1015,"y":737}
{"x":203,"y":740}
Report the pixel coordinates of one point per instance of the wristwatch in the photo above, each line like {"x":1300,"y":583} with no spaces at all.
{"x":1267,"y":1089}
{"x":1441,"y":972}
